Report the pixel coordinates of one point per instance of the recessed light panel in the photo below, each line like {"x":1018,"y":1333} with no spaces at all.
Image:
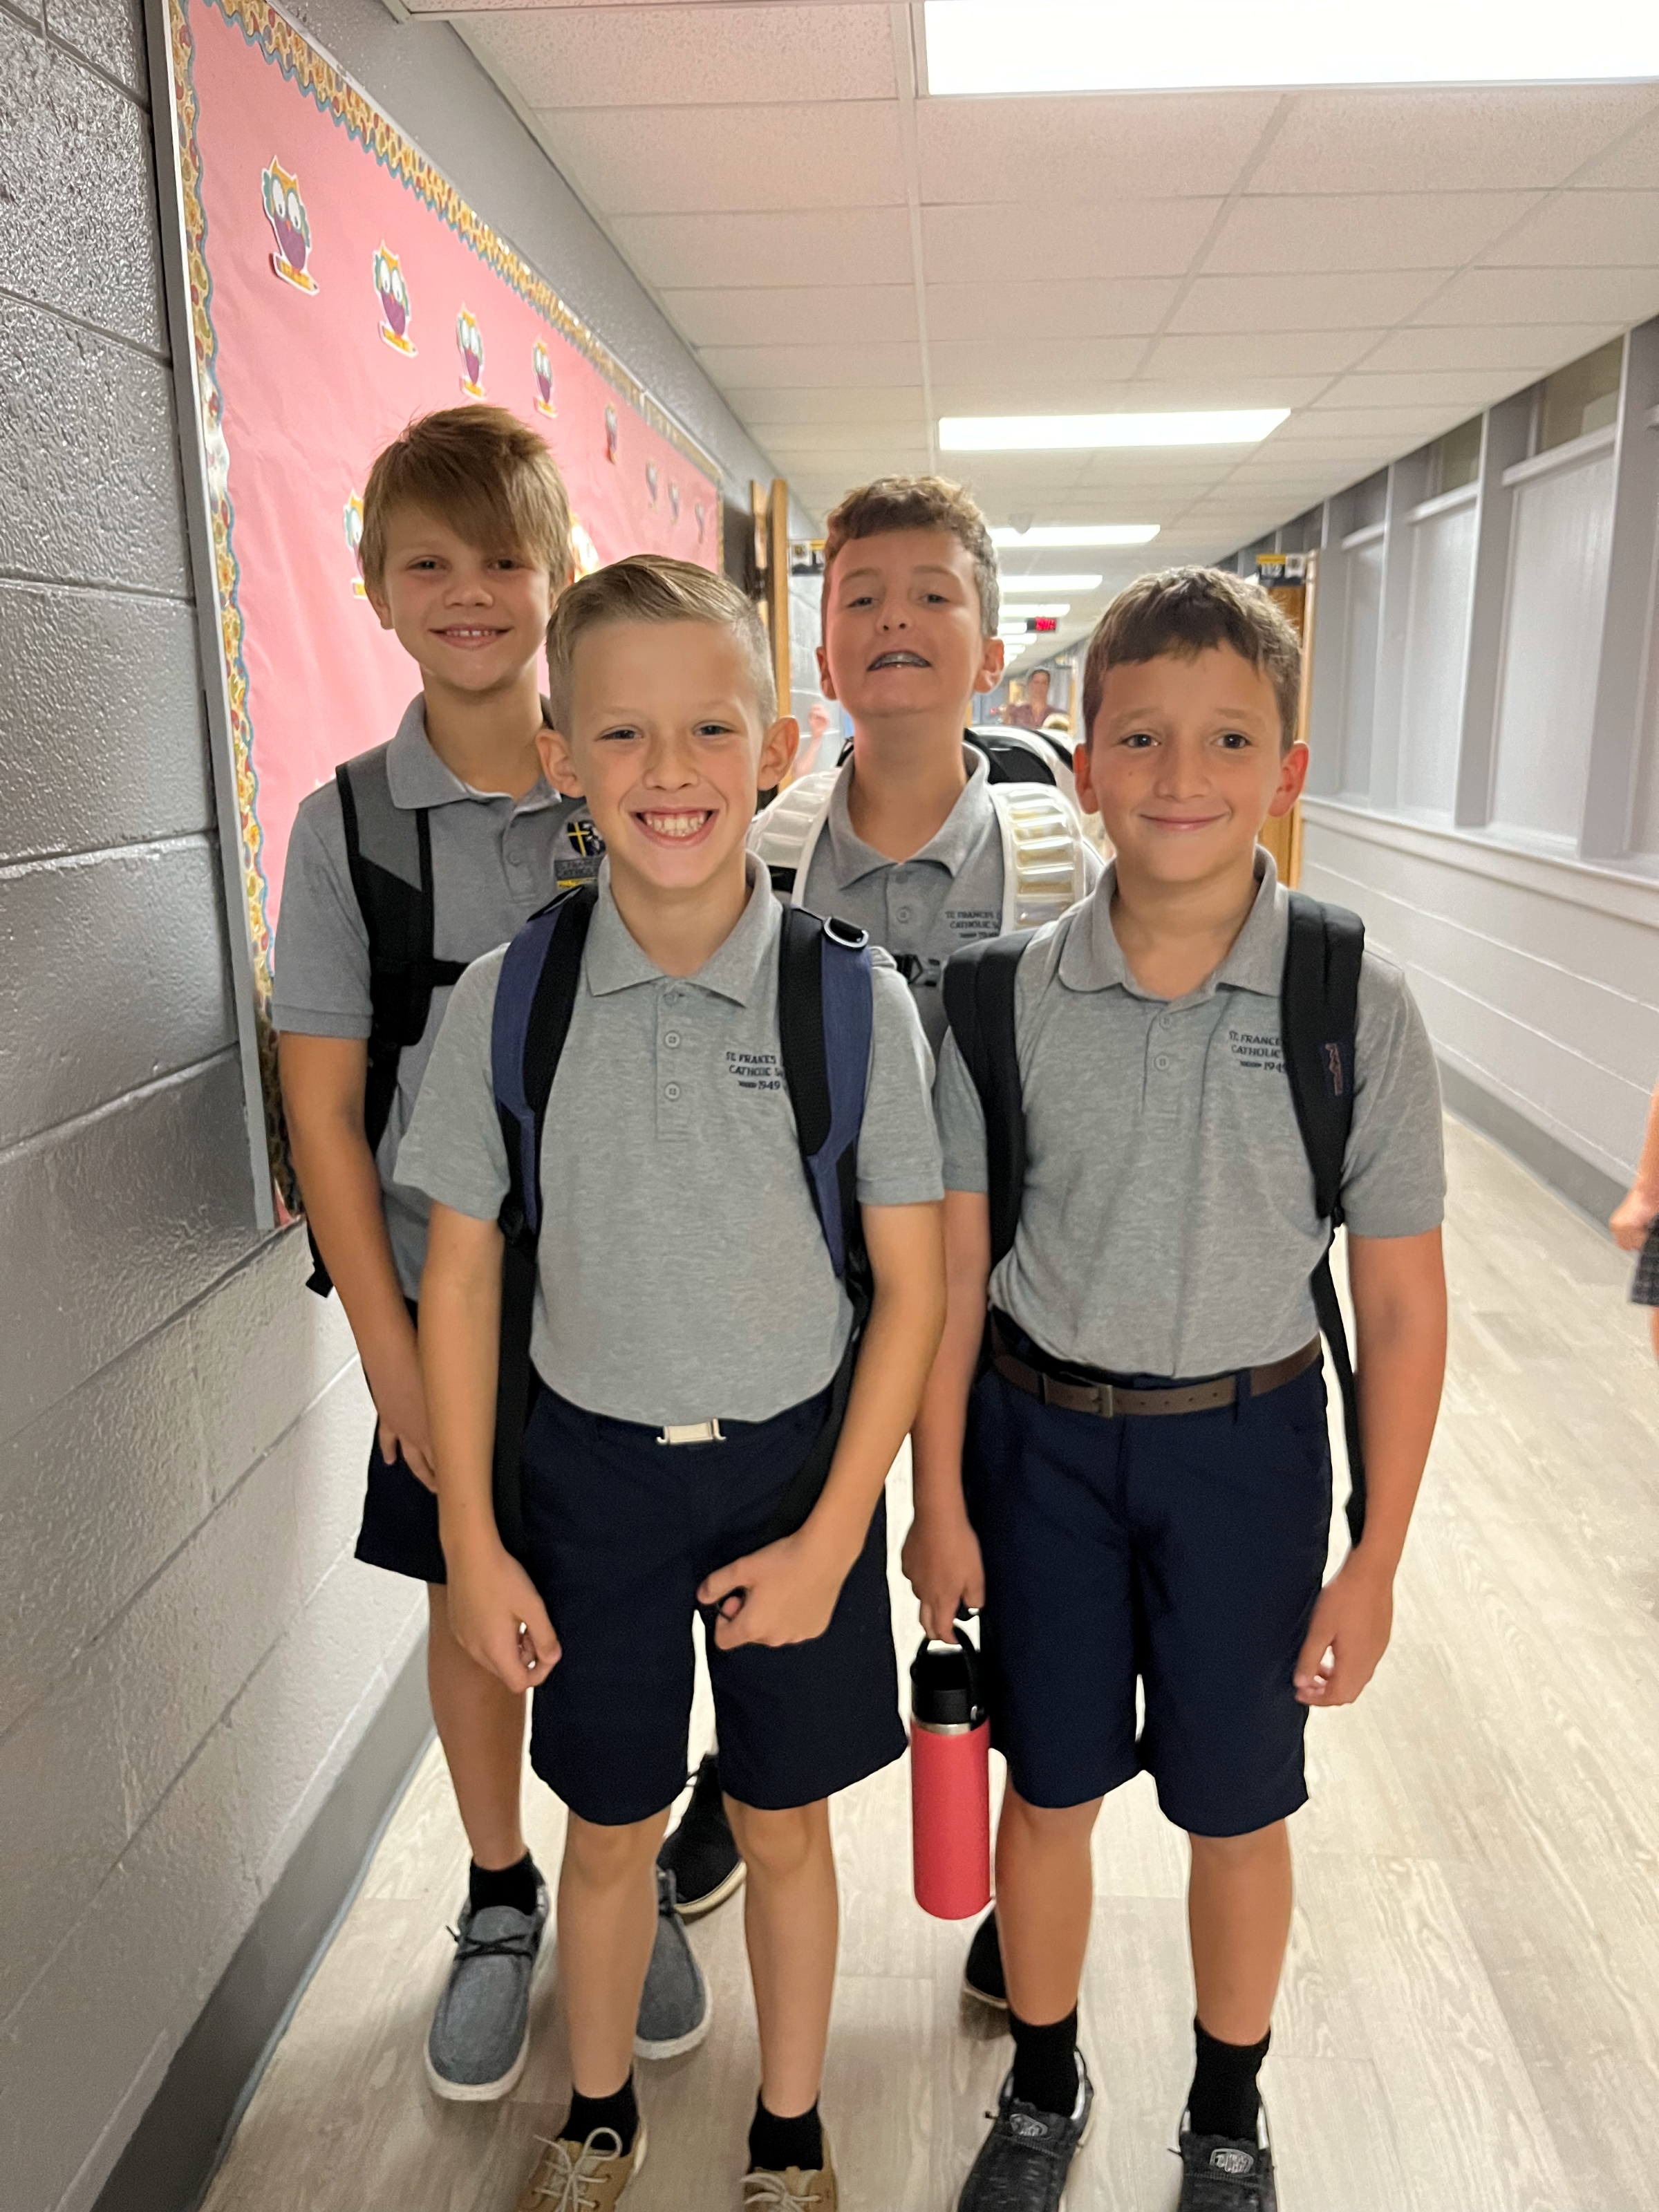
{"x":1044,"y":536}
{"x":1004,"y":46}
{"x":1030,"y":434}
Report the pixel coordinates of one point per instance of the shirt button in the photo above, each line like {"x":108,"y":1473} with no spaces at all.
{"x":671,"y":1090}
{"x":671,"y":1038}
{"x":903,"y":913}
{"x":670,"y":997}
{"x":1164,"y":1061}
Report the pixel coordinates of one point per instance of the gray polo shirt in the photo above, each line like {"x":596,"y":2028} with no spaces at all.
{"x":495,"y":860}
{"x":1168,"y":1226}
{"x":926,"y":908}
{"x":684,"y":1276}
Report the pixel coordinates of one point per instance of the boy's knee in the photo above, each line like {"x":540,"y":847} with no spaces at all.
{"x":1222,"y":1852}
{"x":779,"y":1843}
{"x":1049,"y":1824}
{"x":604,"y":1856}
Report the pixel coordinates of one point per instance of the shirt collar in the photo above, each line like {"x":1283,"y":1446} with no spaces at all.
{"x":951,"y":845}
{"x":416,"y":777}
{"x":1092,"y":958}
{"x":616,"y":961}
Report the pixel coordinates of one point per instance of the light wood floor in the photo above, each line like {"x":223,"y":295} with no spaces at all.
{"x":1470,"y":2015}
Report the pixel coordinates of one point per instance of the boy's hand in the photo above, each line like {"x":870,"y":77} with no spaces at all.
{"x":942,"y":1565}
{"x":784,"y":1594}
{"x":1348,"y":1634}
{"x":497,"y":1618}
{"x":1636,"y":1214}
{"x":399,"y":1396}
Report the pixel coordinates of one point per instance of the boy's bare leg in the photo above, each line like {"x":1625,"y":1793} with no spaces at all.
{"x":1653,"y":1323}
{"x":791,"y":1922}
{"x":607,"y":1925}
{"x":1045,"y":1891}
{"x":480,"y":1724}
{"x":1238,"y":1912}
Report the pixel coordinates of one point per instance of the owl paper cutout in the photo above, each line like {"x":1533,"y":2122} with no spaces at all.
{"x":470,"y":338}
{"x":353,"y":518}
{"x":285,"y":211}
{"x":582,"y":546}
{"x":542,"y":364}
{"x":674,"y":499}
{"x":611,"y":433}
{"x":651,"y":480}
{"x":393,"y":295}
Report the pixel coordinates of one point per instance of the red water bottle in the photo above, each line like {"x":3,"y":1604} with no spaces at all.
{"x":950,"y":1780}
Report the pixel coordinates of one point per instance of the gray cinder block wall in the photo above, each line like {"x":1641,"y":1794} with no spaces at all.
{"x":191,"y":1665}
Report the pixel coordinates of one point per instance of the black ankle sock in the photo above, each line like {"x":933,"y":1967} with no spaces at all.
{"x":1045,"y":2063}
{"x":1223,"y":2100}
{"x":775,"y":2144}
{"x":515,"y":1886}
{"x":587,"y":2114}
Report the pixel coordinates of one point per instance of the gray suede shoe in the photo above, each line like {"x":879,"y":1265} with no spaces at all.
{"x":1023,"y":2162}
{"x":480,"y":2032}
{"x":674,"y":2004}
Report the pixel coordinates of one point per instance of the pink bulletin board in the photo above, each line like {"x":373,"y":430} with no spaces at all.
{"x":336,"y":286}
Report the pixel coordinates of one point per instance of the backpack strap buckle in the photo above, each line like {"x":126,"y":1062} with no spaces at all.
{"x":692,"y":1433}
{"x":845,"y":932}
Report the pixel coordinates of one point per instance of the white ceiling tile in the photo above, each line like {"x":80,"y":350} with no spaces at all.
{"x":969,"y":244}
{"x":1079,"y":308}
{"x":1259,"y":354}
{"x":647,"y":161}
{"x":850,"y":363}
{"x":794,"y":315}
{"x":867,"y":403}
{"x":833,"y":441}
{"x":1520,"y":346}
{"x":1512,"y":138}
{"x":1471,"y":389}
{"x":1585,"y":230}
{"x":1171,"y":394}
{"x":1034,"y":370}
{"x":1632,"y":164}
{"x":1353,"y":231}
{"x":852,"y":246}
{"x":1055,"y":151}
{"x":1546,"y":295}
{"x":603,"y":58}
{"x":1302,"y":302}
{"x":1404,"y":426}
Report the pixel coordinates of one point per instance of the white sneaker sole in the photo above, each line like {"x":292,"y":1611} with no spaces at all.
{"x":982,"y":1996}
{"x":718,"y":1895}
{"x":677,"y":2046}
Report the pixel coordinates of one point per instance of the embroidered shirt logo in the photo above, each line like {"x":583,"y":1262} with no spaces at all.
{"x":1336,"y":1074}
{"x":754,"y":1071}
{"x":1256,"y":1049}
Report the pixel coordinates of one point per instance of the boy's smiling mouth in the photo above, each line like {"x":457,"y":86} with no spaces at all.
{"x":468,"y":636}
{"x":901,"y":657}
{"x":679,"y":825}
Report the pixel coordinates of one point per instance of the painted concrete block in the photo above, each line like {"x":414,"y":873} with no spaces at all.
{"x":109,"y":32}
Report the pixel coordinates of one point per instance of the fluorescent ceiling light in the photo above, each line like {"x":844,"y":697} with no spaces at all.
{"x":1030,"y":433}
{"x":1003,"y":46}
{"x":1044,"y":536}
{"x":1013,"y":585}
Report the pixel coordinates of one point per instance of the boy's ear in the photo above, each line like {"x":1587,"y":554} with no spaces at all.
{"x":557,"y":762}
{"x":1292,"y":774}
{"x":989,"y":674}
{"x":777,"y":754}
{"x":1083,"y":776}
{"x":826,"y":681}
{"x":377,"y":599}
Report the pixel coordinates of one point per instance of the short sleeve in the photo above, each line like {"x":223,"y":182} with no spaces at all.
{"x":898,"y":1147}
{"x":1394,"y":1181}
{"x":320,"y":961}
{"x":961,"y":1120}
{"x":453,"y":1149}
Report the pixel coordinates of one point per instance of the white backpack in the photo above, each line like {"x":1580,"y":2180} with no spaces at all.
{"x":1044,"y":870}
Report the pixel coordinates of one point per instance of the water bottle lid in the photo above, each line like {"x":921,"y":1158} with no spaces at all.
{"x":945,"y":1685}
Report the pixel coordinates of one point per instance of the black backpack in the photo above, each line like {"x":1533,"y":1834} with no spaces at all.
{"x":393,"y":880}
{"x":1319,"y":998}
{"x":825,"y":1018}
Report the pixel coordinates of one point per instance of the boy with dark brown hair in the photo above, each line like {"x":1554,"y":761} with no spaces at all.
{"x":1153,"y":1112}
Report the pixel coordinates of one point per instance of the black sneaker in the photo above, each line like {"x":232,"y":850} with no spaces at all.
{"x":1227,"y":2174}
{"x":702,"y":1853}
{"x":982,"y":1976}
{"x":1023,"y":2163}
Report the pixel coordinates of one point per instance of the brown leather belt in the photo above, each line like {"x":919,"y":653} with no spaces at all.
{"x":1109,"y":1400}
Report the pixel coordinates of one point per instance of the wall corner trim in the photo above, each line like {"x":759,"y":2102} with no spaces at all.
{"x":175,"y":2149}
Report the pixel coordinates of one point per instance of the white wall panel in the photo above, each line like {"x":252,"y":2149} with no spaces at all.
{"x":1560,"y":541}
{"x":1644,"y":830}
{"x":1437,"y":649}
{"x":1360,"y":633}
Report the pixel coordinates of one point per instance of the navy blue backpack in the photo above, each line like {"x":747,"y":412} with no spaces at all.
{"x":825,"y":1014}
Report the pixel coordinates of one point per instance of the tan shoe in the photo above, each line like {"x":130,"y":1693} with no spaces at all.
{"x":793,"y":2191}
{"x":584,"y":2177}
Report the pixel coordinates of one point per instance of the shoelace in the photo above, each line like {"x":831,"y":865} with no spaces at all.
{"x":771,"y":2192}
{"x":572,"y":2185}
{"x":494,"y":1947}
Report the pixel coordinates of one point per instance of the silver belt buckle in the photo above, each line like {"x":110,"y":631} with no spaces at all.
{"x":692,"y":1432}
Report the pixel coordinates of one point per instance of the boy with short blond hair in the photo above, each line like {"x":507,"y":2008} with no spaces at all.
{"x":1136,"y":1473}
{"x":709,"y":1429}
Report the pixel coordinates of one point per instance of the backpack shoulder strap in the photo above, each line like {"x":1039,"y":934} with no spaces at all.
{"x":978,"y":1006}
{"x":785,"y":836}
{"x":1044,"y":867}
{"x":535,"y":998}
{"x":1319,"y":1006}
{"x":1012,"y":753}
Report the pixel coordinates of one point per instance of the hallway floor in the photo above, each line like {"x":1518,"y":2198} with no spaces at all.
{"x":1470,"y":2014}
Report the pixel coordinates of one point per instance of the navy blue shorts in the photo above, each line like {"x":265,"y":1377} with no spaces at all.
{"x":1186,"y":1550}
{"x":399,"y":1528}
{"x":619,"y":1531}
